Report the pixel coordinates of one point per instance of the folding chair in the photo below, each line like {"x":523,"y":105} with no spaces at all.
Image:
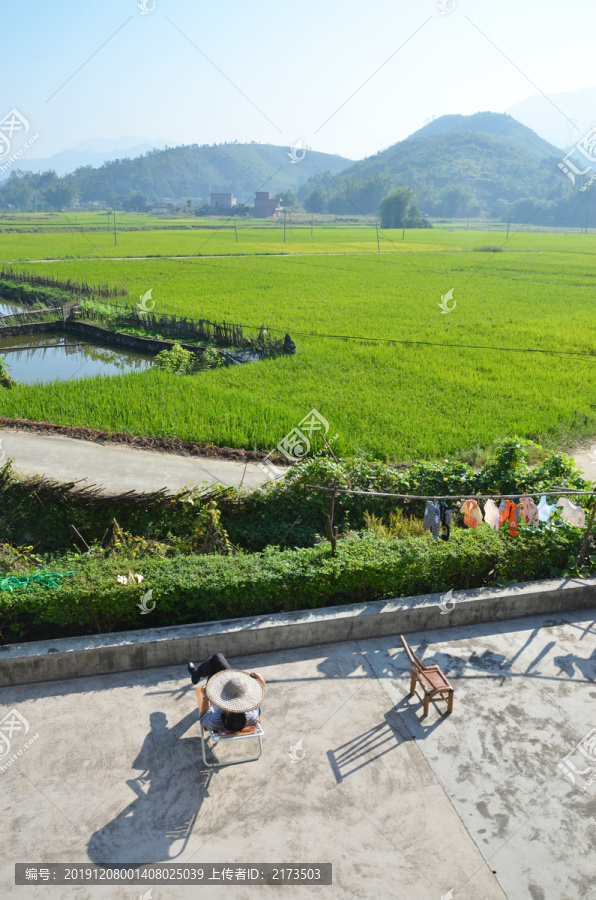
{"x":226,"y":737}
{"x":431,"y":679}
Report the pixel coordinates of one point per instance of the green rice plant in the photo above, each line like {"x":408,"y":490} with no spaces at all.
{"x":449,"y":388}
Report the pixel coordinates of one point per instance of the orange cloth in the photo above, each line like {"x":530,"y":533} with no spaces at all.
{"x":472,"y":513}
{"x":509,"y":510}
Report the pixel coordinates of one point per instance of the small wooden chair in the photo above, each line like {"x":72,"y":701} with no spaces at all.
{"x":431,"y":679}
{"x":225,"y":737}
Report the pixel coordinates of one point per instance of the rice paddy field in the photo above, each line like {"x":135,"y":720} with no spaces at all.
{"x":450,"y":384}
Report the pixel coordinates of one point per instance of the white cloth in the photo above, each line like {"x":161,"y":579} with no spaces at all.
{"x":571,"y":512}
{"x":491,"y":514}
{"x":545,"y":509}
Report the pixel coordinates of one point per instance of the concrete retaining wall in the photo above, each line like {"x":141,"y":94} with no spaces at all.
{"x":119,"y":338}
{"x":32,"y":328}
{"x":136,"y":342}
{"x":125,"y":651}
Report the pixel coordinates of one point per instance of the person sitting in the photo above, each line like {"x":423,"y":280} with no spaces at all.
{"x":234,"y":695}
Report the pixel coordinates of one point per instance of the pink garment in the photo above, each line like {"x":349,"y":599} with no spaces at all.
{"x":529,"y":510}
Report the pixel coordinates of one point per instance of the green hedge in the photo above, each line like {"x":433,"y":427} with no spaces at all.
{"x":202,"y":588}
{"x":286,"y":514}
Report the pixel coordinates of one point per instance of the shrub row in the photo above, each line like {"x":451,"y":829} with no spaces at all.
{"x":202,"y":588}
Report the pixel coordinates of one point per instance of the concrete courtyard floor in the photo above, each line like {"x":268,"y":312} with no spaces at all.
{"x":470,"y":806}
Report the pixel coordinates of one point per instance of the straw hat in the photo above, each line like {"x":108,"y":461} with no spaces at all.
{"x":234,"y":690}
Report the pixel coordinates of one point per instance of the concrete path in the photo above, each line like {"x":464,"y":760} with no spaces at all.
{"x":119,"y":468}
{"x":585,"y":460}
{"x":475,"y":804}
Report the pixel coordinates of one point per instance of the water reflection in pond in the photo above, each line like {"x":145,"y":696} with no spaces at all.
{"x":7,"y":308}
{"x":55,"y":355}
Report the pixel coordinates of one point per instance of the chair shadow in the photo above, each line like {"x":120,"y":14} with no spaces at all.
{"x":367,"y":747}
{"x":156,"y":825}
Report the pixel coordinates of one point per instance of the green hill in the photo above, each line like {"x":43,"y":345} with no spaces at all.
{"x":195,"y":171}
{"x":457,"y":166}
{"x":499,"y":125}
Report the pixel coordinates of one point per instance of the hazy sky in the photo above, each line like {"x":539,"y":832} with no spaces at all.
{"x":296,"y":64}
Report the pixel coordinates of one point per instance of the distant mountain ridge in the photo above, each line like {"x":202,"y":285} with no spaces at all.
{"x":92,"y":152}
{"x":457,"y":165}
{"x":195,"y":171}
{"x":500,"y":125}
{"x":486,"y":164}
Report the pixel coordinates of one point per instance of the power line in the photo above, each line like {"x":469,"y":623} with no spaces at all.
{"x":461,"y":496}
{"x":352,"y":337}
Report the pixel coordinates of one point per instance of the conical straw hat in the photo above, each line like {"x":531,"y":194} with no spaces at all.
{"x":234,"y":690}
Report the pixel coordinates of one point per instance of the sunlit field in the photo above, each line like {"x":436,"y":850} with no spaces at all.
{"x":408,"y":400}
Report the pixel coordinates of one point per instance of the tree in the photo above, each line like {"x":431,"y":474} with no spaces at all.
{"x":19,"y":191}
{"x":394,"y":208}
{"x":315,"y":201}
{"x":61,"y":194}
{"x":288,"y":199}
{"x":135,"y":202}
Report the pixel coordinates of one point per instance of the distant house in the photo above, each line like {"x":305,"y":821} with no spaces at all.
{"x":162,"y":209}
{"x":222,"y":201}
{"x":265,"y":207}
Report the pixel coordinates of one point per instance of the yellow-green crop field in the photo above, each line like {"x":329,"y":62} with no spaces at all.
{"x":474,"y":381}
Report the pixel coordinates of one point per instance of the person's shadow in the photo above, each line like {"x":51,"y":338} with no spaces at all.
{"x":172,"y":785}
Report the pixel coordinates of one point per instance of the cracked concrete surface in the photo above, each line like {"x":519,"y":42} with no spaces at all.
{"x":402,"y":807}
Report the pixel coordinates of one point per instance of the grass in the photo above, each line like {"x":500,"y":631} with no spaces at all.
{"x":397,"y":402}
{"x":90,"y":239}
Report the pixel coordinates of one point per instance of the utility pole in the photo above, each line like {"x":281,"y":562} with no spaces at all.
{"x":403,"y":233}
{"x":109,"y":219}
{"x":508,"y":224}
{"x":284,"y":226}
{"x":115,"y":232}
{"x":291,"y":229}
{"x":235,"y":229}
{"x":312,"y":219}
{"x":378,"y":242}
{"x":587,"y":211}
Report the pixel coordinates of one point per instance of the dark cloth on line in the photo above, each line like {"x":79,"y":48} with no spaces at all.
{"x":437,"y":518}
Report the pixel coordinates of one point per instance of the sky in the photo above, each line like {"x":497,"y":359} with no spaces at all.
{"x":349,"y":78}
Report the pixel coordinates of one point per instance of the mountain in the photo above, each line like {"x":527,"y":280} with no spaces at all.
{"x":499,"y":125}
{"x":458,"y":166}
{"x":560,"y":118}
{"x":194,"y":171}
{"x":92,"y":152}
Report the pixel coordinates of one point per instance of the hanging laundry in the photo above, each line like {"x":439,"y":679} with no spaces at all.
{"x":446,"y":516}
{"x":437,"y":519}
{"x":432,"y":518}
{"x":571,"y":512}
{"x":509,"y":511}
{"x":472,"y":514}
{"x":545,"y":509}
{"x":529,"y":510}
{"x":491,"y":514}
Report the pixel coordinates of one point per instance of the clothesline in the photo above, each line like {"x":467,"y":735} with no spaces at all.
{"x":559,"y":493}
